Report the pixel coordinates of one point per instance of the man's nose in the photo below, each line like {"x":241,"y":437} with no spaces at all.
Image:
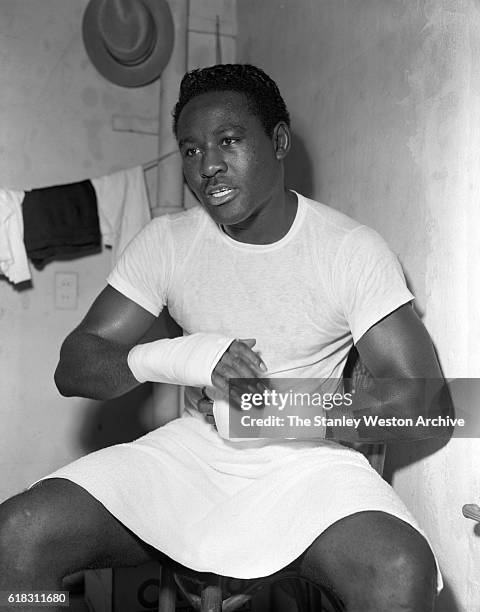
{"x":212,"y":163}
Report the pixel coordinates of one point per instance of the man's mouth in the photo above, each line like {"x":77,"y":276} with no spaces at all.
{"x":220,"y":195}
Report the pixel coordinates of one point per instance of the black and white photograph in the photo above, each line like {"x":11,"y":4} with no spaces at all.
{"x":239,"y":295}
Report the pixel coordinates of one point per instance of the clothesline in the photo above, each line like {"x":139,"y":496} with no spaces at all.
{"x":71,"y":219}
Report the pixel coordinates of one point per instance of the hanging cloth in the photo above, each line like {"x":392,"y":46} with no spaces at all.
{"x":13,"y":257}
{"x":123,"y":207}
{"x":60,"y":220}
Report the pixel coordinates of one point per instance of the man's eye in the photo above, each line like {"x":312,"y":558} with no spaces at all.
{"x":228,"y":141}
{"x":191,"y":152}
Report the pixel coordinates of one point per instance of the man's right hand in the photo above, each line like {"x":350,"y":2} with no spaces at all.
{"x":240,"y":361}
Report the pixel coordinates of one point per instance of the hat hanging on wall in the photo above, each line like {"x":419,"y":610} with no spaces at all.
{"x":128,"y":41}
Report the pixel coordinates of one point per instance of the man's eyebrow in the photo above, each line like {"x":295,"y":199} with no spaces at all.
{"x":182,"y":141}
{"x":221,"y":128}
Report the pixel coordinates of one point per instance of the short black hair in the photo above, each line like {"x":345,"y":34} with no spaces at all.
{"x":262,"y":93}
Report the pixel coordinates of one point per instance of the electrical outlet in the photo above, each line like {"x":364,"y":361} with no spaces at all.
{"x":66,"y":290}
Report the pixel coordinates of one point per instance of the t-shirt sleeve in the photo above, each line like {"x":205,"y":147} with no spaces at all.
{"x":370,"y":282}
{"x":143,"y":271}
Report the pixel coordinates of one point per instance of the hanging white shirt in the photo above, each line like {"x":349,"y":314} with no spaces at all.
{"x":123,"y":207}
{"x":13,"y":256}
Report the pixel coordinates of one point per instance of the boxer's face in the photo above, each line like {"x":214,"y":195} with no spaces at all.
{"x":229,"y":162}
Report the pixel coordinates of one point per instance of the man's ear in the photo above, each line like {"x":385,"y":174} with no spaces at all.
{"x":282,"y":139}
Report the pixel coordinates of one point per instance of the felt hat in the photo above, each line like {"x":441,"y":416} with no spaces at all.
{"x":128,"y":41}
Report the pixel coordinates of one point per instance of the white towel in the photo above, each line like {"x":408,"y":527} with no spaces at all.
{"x":123,"y":207}
{"x":13,"y":256}
{"x":242,"y":509}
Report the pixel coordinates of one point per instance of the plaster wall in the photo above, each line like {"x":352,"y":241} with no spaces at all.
{"x":384,"y":98}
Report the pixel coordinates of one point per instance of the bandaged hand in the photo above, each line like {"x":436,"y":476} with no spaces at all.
{"x":240,"y":361}
{"x":188,"y":360}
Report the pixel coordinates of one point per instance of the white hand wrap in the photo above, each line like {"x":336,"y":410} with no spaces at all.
{"x":188,"y":360}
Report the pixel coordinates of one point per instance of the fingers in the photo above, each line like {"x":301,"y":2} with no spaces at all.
{"x":210,"y":419}
{"x":205,"y":407}
{"x":240,"y":362}
{"x":243,"y":364}
{"x":223,"y":382}
{"x":250,"y":342}
{"x":244,"y":348}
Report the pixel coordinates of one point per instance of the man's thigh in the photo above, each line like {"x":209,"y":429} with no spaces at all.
{"x":61,"y":521}
{"x":372,"y":556}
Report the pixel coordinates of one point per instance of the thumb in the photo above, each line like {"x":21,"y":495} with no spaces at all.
{"x":248,"y":341}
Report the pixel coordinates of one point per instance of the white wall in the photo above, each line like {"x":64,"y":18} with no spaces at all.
{"x":384,"y":96}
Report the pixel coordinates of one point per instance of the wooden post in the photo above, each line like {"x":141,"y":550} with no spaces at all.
{"x":169,"y":173}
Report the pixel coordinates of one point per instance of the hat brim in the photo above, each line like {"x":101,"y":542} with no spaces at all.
{"x":113,"y":70}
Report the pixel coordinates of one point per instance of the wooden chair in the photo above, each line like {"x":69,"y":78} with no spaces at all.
{"x":212,"y":593}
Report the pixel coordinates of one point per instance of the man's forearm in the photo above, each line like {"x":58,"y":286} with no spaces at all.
{"x":93,"y":367}
{"x":394,"y":410}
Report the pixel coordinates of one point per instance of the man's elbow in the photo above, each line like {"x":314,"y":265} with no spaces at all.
{"x":64,"y":382}
{"x":421,"y":408}
{"x":71,"y":378}
{"x":72,"y":372}
{"x":444,"y":411}
{"x":435,"y":414}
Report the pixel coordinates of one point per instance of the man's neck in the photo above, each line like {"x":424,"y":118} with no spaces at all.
{"x":270,"y":224}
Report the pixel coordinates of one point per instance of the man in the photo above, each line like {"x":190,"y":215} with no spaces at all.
{"x":262,"y":281}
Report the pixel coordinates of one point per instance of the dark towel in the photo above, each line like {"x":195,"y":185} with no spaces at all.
{"x":60,"y":220}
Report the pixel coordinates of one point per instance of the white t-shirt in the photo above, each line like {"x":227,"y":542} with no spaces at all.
{"x":305,"y":298}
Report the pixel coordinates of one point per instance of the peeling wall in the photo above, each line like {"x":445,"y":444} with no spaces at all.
{"x":384,"y":97}
{"x":56,"y":110}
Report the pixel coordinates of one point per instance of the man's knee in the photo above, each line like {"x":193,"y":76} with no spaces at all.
{"x":28,"y":525}
{"x":402,"y":578}
{"x":405,"y":576}
{"x":57,"y":528}
{"x":371,"y":559}
{"x":409,"y":565}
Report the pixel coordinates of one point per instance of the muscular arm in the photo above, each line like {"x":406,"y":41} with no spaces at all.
{"x":93,"y":358}
{"x":398,"y":349}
